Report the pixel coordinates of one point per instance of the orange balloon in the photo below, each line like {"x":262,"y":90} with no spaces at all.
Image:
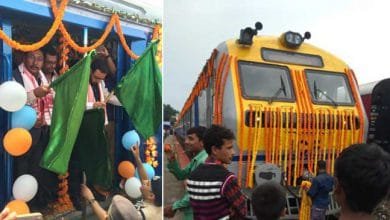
{"x":18,"y":206}
{"x":126,"y":169}
{"x":17,"y":141}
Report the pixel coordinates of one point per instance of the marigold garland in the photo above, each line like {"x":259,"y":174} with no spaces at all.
{"x":58,"y":25}
{"x":157,"y":34}
{"x":122,"y":38}
{"x":69,"y":39}
{"x":151,"y":152}
{"x":64,"y":50}
{"x":304,"y":210}
{"x":63,"y":203}
{"x":44,"y":40}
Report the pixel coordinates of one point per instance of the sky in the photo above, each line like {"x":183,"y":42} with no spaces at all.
{"x":356,"y":31}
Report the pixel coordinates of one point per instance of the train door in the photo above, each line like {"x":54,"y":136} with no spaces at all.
{"x":379,"y":121}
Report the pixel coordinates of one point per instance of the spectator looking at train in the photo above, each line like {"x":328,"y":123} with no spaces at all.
{"x":269,"y":201}
{"x":214,"y":191}
{"x":362,"y":180}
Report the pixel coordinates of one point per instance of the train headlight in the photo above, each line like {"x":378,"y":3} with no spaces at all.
{"x":246,"y":35}
{"x":293,"y":39}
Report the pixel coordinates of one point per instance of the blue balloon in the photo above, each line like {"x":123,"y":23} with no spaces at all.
{"x":24,"y":118}
{"x":149,"y":171}
{"x":129,"y":139}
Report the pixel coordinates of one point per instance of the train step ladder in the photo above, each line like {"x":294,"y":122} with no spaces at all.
{"x":292,"y":205}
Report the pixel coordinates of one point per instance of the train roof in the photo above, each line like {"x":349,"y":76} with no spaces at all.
{"x":273,"y":42}
{"x":367,"y":88}
{"x":252,"y":53}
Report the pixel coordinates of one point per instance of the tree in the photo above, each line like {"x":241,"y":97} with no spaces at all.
{"x":170,"y":113}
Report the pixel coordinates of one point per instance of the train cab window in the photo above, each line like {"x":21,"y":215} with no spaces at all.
{"x":329,"y":88}
{"x":265,"y":82}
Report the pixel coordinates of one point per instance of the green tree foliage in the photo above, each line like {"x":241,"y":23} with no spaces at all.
{"x":170,"y":113}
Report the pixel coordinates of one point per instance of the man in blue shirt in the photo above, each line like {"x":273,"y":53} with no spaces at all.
{"x":319,"y":192}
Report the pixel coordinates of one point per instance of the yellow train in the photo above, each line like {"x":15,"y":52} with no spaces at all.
{"x":289,"y":103}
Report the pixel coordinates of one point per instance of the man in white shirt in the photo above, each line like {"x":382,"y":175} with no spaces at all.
{"x":99,"y":168}
{"x":97,"y":92}
{"x":39,"y":97}
{"x":50,"y":64}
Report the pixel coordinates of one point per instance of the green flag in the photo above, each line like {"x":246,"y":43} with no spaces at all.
{"x":69,"y":105}
{"x":139,"y":91}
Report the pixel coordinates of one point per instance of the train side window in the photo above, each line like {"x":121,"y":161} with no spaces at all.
{"x":265,"y":82}
{"x":329,"y":88}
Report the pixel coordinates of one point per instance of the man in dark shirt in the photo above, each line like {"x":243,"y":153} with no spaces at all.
{"x":319,"y":192}
{"x":214,"y":191}
{"x":50,"y":63}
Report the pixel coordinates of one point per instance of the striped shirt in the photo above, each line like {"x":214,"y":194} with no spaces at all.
{"x":214,"y":193}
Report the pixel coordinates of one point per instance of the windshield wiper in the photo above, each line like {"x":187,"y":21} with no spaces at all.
{"x":316,"y":90}
{"x":277,"y":93}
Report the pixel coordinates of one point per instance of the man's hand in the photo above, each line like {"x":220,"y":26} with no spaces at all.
{"x":102,"y":51}
{"x":39,"y":123}
{"x":86,"y":192}
{"x":41,"y":91}
{"x":99,"y":105}
{"x":135,"y":150}
{"x":6,"y":215}
{"x":168,"y":151}
{"x":169,"y":212}
{"x":305,"y":185}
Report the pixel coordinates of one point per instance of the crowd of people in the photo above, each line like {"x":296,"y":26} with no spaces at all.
{"x":361,"y":183}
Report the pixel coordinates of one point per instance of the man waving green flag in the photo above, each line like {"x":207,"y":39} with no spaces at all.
{"x":69,"y":106}
{"x":140,"y":93}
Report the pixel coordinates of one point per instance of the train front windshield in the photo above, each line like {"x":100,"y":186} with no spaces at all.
{"x":329,"y":88}
{"x":265,"y":82}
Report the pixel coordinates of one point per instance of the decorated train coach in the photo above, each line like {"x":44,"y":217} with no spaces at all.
{"x":289,"y":103}
{"x":376,"y":103}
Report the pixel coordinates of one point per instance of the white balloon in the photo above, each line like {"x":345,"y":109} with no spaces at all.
{"x":25,"y":187}
{"x":132,"y":187}
{"x":13,"y":96}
